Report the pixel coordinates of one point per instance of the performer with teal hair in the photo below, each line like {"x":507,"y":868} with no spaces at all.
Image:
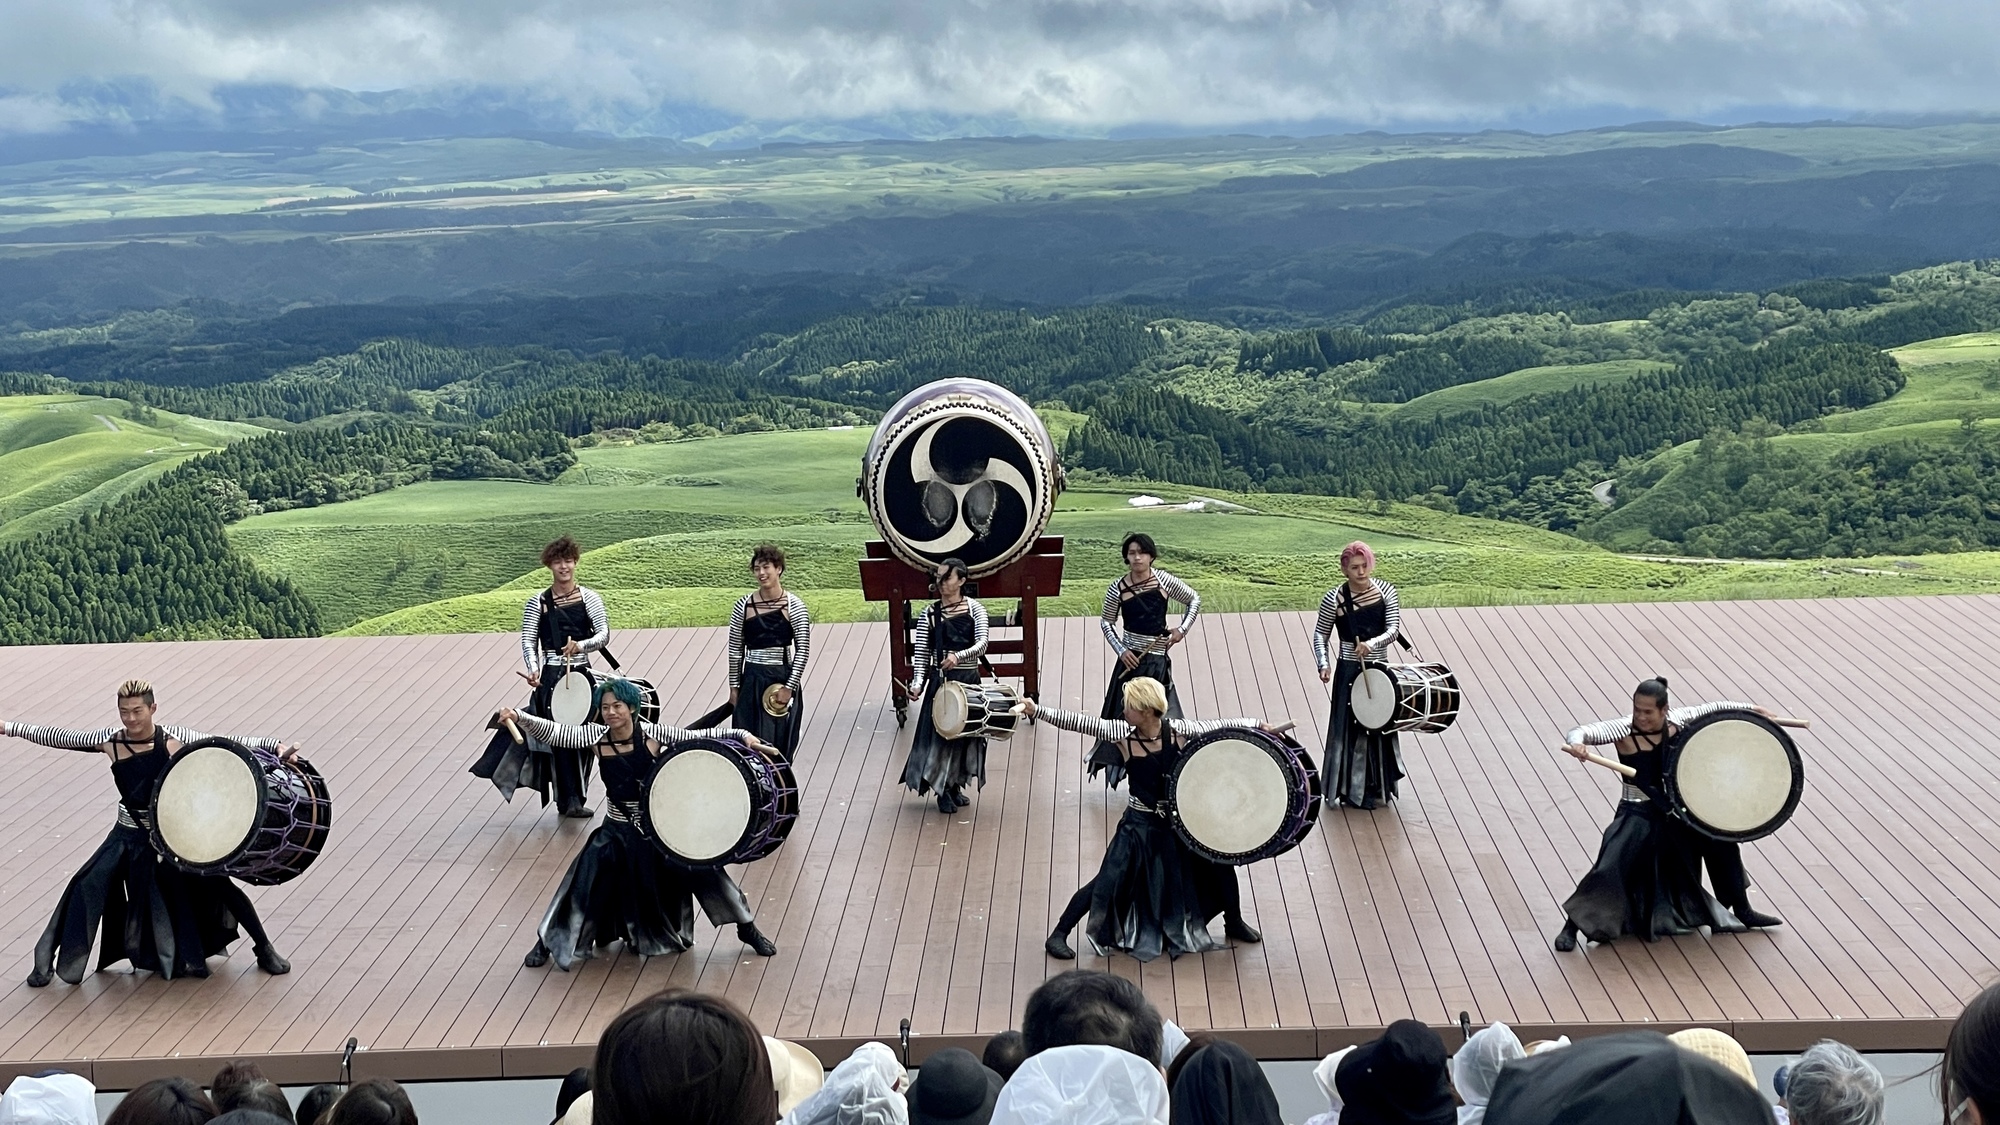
{"x":621,"y":885}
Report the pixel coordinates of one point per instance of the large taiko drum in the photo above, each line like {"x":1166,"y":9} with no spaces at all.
{"x":715,"y":801}
{"x":223,"y":808}
{"x":1420,"y":698}
{"x":1733,"y":775}
{"x":961,"y":468}
{"x":981,"y":710}
{"x":1238,"y":796}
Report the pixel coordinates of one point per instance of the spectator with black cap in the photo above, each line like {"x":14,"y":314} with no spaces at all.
{"x":1398,"y":1079}
{"x":953,"y":1088}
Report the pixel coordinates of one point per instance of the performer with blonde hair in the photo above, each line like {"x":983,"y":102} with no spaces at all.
{"x":1152,"y":894}
{"x":154,"y":914}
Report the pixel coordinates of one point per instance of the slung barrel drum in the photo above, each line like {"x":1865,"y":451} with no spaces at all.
{"x":961,"y":468}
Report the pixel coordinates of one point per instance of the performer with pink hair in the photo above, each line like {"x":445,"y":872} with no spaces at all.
{"x":1361,"y":764}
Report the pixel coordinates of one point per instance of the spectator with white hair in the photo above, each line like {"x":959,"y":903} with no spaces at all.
{"x":1476,"y":1067}
{"x":1832,"y":1084}
{"x":1084,"y":1084}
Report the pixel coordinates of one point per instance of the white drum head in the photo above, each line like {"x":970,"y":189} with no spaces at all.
{"x":1734,"y":776}
{"x":569,"y":703}
{"x":699,"y":804}
{"x":1372,"y":698}
{"x":208,"y":805}
{"x":1231,"y":796}
{"x":950,"y":710}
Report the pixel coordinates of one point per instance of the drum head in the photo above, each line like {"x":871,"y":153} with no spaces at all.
{"x":210,"y":802}
{"x":1735,"y":775}
{"x":699,"y":804}
{"x":950,"y":710}
{"x":1372,"y":698}
{"x":569,"y":703}
{"x":1230,"y":795}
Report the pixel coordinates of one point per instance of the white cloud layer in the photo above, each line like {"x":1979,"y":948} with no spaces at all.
{"x":1077,"y":65}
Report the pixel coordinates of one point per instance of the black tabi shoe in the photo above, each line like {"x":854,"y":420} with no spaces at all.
{"x":40,"y":978}
{"x":580,"y":812}
{"x":959,"y":798}
{"x":537,"y":957}
{"x":1058,"y":948}
{"x":750,"y":935}
{"x":1566,"y":941}
{"x":945,"y":804}
{"x":1756,"y":921}
{"x":269,"y":961}
{"x":1239,"y":930}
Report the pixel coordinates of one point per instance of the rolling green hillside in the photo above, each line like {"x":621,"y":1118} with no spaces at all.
{"x":63,"y":455}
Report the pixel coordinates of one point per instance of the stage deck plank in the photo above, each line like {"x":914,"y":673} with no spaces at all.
{"x":408,"y":933}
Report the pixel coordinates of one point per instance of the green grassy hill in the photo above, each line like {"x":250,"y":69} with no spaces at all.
{"x":1520,"y":384}
{"x":669,"y":529}
{"x":64,"y":455}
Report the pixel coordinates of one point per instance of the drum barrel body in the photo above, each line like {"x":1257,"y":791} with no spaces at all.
{"x":1238,"y":796}
{"x":222,"y":808}
{"x":1733,"y":775}
{"x":961,"y":468}
{"x":1412,"y":698}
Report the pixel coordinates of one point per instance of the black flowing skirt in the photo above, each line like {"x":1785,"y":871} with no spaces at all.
{"x":938,"y":763}
{"x":511,"y":765}
{"x":152,"y":913}
{"x":1361,"y":766}
{"x":1152,"y":895}
{"x":1644,"y":884}
{"x":751,"y":716}
{"x":622,"y":888}
{"x":1105,"y":756}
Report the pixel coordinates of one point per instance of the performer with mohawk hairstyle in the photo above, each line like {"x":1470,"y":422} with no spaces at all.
{"x":154,"y":914}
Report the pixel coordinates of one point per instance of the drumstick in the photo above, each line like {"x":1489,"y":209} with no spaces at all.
{"x":1788,"y":721}
{"x":515,"y":731}
{"x":1610,"y":764}
{"x":1283,"y":729}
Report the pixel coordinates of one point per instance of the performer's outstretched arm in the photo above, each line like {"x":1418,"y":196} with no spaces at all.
{"x":671,"y":734}
{"x":1107,"y":730}
{"x":61,"y":738}
{"x":558,"y":734}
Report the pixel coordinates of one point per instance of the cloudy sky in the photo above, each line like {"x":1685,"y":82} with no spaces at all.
{"x":1083,"y":66}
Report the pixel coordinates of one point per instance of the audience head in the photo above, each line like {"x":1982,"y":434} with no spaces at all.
{"x":574,"y":1085}
{"x":1635,"y":1078}
{"x":795,"y":1072}
{"x":1832,"y":1084}
{"x":1970,"y":1068}
{"x":317,"y":1101}
{"x":1086,"y":1007}
{"x":1005,"y":1053}
{"x":52,"y":1099}
{"x":248,"y":1116}
{"x":1476,"y":1067}
{"x":1084,"y":1084}
{"x":164,"y":1101}
{"x":953,"y":1088}
{"x":1325,"y":1077}
{"x":1188,"y":1049}
{"x":865,"y":1089}
{"x":582,"y":1111}
{"x":241,"y":1085}
{"x":1221,"y":1084}
{"x":373,"y":1101}
{"x":684,"y":1056}
{"x":1719,"y":1048}
{"x":1397,"y":1078}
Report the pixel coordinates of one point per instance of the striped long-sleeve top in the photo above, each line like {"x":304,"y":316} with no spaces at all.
{"x":91,"y":741}
{"x":1118,"y":730}
{"x":1172,"y":588}
{"x":923,"y":660}
{"x":795,"y":613}
{"x":532,"y":654}
{"x":1335,"y":605}
{"x":1606,"y":731}
{"x":582,"y":735}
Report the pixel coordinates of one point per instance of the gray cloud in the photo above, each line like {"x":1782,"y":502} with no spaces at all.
{"x":1069,"y":65}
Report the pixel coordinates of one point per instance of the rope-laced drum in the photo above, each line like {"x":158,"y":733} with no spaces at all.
{"x":715,"y":801}
{"x":981,"y":710}
{"x":571,"y":695}
{"x":961,"y":468}
{"x":1238,"y":796}
{"x":223,"y":808}
{"x":1421,"y":698}
{"x":1733,"y":775}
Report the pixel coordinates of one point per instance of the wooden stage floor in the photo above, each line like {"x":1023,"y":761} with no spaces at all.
{"x":408,"y":933}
